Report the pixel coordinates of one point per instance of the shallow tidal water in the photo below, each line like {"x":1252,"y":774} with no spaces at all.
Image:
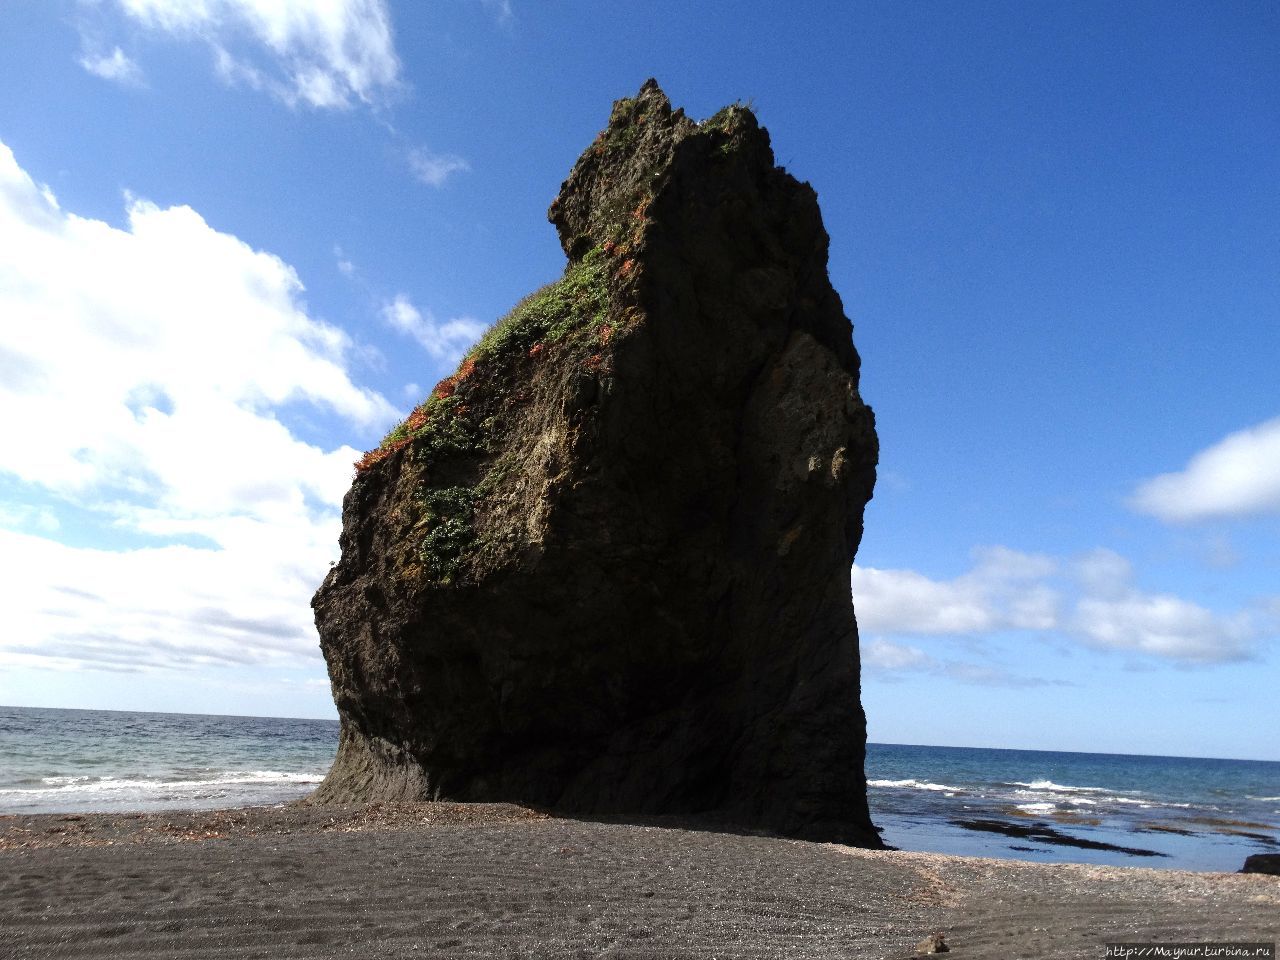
{"x":1171,"y":812}
{"x":1121,"y":810}
{"x":82,"y":761}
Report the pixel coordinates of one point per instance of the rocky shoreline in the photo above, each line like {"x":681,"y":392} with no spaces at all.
{"x":496,"y":880}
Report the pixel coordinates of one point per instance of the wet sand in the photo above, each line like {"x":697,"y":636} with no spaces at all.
{"x":452,"y":880}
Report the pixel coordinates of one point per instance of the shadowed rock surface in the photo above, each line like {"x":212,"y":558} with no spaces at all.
{"x":604,"y":568}
{"x":1262,"y":863}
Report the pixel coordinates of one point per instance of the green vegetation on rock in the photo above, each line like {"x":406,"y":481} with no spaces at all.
{"x":454,"y":424}
{"x":578,"y":300}
{"x":449,"y":533}
{"x":728,"y":118}
{"x":441,"y":432}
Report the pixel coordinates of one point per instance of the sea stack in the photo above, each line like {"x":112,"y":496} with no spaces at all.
{"x":604,"y":567}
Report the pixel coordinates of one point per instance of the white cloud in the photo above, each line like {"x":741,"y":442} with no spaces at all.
{"x":1003,"y":590}
{"x":885,"y":659}
{"x":1113,"y":614}
{"x":1164,"y":626}
{"x":17,"y":516}
{"x":884,"y":655}
{"x":115,"y":66}
{"x":1238,"y":476}
{"x":147,"y":374}
{"x":173,"y":606}
{"x":434,"y":169}
{"x":448,"y":340}
{"x":903,"y":601}
{"x":321,"y":53}
{"x":1096,"y":603}
{"x":1104,"y":573}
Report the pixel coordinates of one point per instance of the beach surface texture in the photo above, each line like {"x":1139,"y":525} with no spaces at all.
{"x":495,"y":880}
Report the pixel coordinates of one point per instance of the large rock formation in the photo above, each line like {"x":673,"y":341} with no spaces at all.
{"x":604,"y":567}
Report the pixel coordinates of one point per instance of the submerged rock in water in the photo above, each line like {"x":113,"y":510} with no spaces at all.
{"x":604,"y":567}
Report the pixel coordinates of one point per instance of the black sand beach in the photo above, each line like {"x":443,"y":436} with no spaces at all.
{"x":451,"y":880}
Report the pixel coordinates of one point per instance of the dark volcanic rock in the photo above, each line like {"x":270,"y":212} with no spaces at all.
{"x":1043,"y":833}
{"x":604,"y":567}
{"x":1262,"y":863}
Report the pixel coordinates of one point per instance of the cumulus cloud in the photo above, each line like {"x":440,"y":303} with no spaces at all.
{"x":1091,"y":599}
{"x":1116,"y":615}
{"x":155,"y":367}
{"x":434,"y":169}
{"x":446,"y":341}
{"x":1005,"y":589}
{"x":115,"y":66}
{"x":1236,"y":477}
{"x":1164,"y":626}
{"x":328,"y":54}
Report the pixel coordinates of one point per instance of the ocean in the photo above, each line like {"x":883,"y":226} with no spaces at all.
{"x":1177,"y":812}
{"x":1169,"y":812}
{"x":83,"y":761}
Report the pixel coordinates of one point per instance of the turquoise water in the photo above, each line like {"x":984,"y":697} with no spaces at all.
{"x":1162,"y":811}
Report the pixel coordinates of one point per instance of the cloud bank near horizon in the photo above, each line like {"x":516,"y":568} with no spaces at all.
{"x":1091,"y":600}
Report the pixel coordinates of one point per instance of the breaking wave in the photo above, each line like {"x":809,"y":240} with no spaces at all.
{"x":915,"y":785}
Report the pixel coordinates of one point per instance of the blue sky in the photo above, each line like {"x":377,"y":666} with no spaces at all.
{"x":240,"y":238}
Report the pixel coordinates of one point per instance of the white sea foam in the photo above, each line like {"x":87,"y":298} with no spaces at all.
{"x":1265,"y":799}
{"x":1037,"y":807}
{"x":1065,"y":794}
{"x":1057,"y":787}
{"x":915,"y":785}
{"x":141,"y":786}
{"x":1060,"y":798}
{"x":1066,"y":797}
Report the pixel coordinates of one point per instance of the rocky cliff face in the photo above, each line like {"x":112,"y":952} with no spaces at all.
{"x":604,"y":567}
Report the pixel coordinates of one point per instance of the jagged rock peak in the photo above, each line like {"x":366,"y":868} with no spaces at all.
{"x":604,"y":567}
{"x":617,"y":172}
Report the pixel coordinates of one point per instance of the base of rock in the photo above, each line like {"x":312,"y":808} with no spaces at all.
{"x":370,"y":768}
